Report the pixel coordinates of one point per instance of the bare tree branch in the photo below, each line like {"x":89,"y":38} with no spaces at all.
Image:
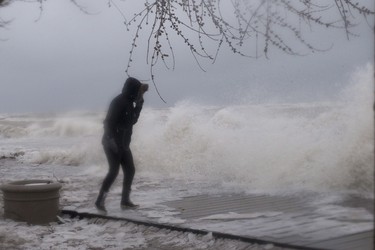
{"x":267,"y":23}
{"x":206,"y":26}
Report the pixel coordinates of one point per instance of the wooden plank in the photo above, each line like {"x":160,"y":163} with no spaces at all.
{"x":234,"y":208}
{"x":212,"y":201}
{"x":364,"y":238}
{"x":299,"y":209}
{"x":364,"y":244}
{"x":178,"y":228}
{"x":204,"y":206}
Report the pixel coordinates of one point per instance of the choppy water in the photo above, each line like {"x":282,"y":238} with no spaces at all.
{"x":323,"y":147}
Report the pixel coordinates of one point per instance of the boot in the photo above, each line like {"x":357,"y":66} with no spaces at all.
{"x":125,"y":200}
{"x":100,"y":202}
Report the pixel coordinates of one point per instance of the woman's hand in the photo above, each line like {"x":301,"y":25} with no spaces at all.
{"x":142,"y":89}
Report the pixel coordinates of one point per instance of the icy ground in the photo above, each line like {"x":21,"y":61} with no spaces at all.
{"x":80,"y":188}
{"x":105,"y":234}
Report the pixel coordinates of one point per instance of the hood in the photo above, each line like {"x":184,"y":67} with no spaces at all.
{"x":131,"y":88}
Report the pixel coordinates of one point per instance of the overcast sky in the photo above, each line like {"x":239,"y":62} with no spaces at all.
{"x":67,"y":60}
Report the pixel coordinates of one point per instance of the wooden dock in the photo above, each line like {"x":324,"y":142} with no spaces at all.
{"x":303,"y":221}
{"x":286,"y":221}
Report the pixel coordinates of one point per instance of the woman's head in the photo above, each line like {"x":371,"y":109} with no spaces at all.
{"x":131,"y":88}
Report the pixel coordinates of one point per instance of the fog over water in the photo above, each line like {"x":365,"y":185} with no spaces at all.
{"x":62,"y":59}
{"x":287,"y":125}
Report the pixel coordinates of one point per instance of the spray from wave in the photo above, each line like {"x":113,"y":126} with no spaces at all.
{"x":314,"y":146}
{"x":291,"y":147}
{"x":65,"y":139}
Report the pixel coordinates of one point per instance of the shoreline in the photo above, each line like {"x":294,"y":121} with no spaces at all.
{"x":196,"y":205}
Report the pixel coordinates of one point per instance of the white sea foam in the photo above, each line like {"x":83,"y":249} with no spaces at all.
{"x":290,"y":147}
{"x":315,"y":146}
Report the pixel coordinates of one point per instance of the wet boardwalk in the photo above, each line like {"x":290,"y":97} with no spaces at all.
{"x":289,"y":221}
{"x":307,"y":220}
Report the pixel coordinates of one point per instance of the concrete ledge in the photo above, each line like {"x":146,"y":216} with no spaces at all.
{"x":84,"y":215}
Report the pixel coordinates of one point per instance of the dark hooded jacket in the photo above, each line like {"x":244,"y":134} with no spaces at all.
{"x":122,"y":114}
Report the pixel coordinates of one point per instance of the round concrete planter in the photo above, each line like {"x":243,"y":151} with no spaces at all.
{"x":33,"y":201}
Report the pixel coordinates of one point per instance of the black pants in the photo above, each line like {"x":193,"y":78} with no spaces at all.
{"x":123,"y":158}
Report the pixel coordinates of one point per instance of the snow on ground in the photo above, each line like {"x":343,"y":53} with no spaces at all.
{"x":106,"y":234}
{"x":79,"y":190}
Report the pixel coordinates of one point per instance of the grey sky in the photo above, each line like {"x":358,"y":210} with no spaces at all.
{"x":68,"y":60}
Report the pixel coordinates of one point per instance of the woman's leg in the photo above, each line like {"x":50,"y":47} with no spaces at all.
{"x":128,"y":167}
{"x":114,"y":166}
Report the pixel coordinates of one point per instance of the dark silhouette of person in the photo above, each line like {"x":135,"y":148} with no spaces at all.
{"x":123,"y":113}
